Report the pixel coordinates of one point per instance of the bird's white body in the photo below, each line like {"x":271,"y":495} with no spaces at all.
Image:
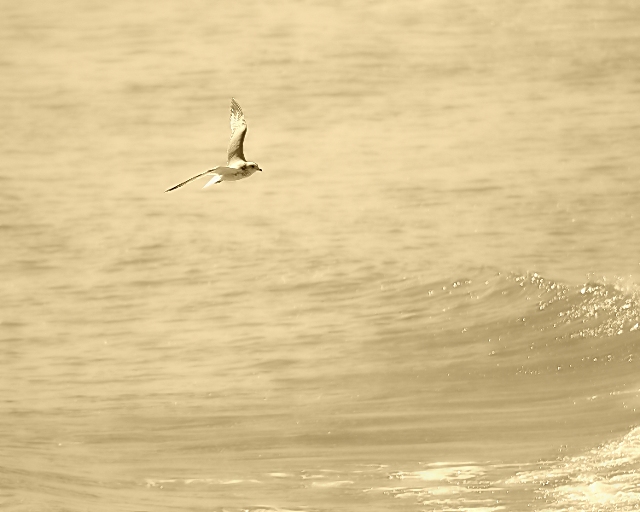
{"x":237,"y":166}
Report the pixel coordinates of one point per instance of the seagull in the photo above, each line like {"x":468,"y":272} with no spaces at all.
{"x":237,"y":166}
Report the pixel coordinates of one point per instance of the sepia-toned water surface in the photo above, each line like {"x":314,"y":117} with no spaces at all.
{"x":428,"y":300}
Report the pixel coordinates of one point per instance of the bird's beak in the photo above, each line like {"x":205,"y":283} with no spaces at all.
{"x":259,"y":169}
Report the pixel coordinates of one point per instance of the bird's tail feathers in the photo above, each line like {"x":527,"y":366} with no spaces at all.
{"x":216,"y":179}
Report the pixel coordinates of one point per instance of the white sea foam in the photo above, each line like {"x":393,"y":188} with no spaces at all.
{"x":606,"y":477}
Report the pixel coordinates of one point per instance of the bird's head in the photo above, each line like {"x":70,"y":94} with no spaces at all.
{"x":252,"y":166}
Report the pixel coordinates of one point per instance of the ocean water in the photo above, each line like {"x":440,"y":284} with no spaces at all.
{"x":428,"y":300}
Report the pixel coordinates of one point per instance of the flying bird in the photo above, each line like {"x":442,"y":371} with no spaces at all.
{"x":237,"y":165}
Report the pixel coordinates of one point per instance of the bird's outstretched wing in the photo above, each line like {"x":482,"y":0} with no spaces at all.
{"x":238,"y":131}
{"x":215,"y":170}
